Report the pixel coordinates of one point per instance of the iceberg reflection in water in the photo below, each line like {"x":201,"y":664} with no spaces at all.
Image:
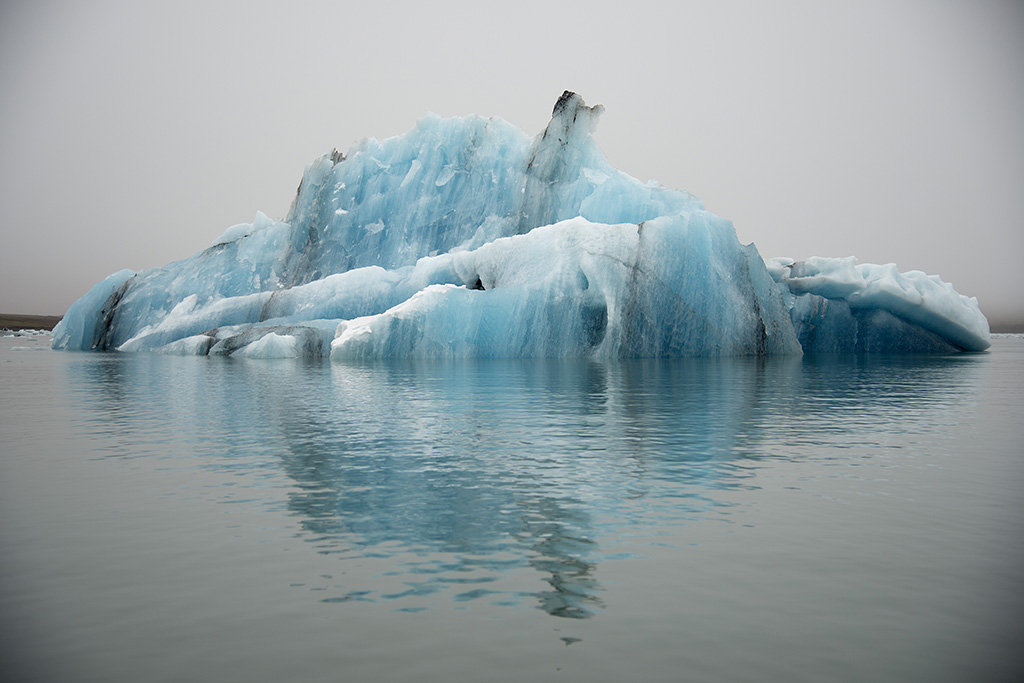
{"x":510,"y":482}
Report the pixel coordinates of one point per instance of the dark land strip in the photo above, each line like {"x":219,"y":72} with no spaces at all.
{"x":10,"y":321}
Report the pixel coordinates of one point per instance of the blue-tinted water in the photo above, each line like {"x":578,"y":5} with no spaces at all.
{"x":854,"y":518}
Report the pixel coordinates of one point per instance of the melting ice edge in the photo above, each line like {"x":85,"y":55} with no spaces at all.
{"x":467,"y":238}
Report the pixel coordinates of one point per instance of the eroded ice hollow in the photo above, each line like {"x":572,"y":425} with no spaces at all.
{"x":467,"y":238}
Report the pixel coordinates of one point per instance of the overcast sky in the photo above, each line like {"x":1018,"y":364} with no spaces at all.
{"x":133,"y":134}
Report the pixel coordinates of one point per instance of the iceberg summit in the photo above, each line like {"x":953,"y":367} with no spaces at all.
{"x":467,"y":238}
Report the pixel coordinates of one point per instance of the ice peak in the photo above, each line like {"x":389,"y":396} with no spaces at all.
{"x":563,"y":101}
{"x":571,"y":119}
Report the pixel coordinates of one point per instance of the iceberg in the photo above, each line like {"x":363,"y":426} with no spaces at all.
{"x":840,"y":306}
{"x":466,"y":238}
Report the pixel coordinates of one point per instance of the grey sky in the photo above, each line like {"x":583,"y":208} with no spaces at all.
{"x":133,"y":135}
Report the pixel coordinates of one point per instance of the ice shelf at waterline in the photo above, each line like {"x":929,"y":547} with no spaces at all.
{"x":464,"y":237}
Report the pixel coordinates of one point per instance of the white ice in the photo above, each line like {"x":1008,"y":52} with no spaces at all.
{"x":848,"y":296}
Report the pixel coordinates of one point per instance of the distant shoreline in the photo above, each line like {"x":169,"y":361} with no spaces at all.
{"x":1001,"y":327}
{"x":12,"y":321}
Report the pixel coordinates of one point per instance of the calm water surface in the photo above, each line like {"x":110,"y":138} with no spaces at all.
{"x":853,"y":518}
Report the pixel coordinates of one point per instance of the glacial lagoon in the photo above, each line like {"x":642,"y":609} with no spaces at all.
{"x":852,"y":517}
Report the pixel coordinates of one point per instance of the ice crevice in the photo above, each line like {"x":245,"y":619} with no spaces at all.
{"x":466,"y":238}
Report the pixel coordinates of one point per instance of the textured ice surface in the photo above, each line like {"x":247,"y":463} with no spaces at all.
{"x":580,"y":288}
{"x":838,"y":305}
{"x":464,"y":237}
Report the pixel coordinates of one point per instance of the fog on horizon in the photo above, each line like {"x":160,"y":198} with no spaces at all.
{"x":891,"y":131}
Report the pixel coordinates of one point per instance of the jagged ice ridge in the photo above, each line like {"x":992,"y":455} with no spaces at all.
{"x":466,"y":238}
